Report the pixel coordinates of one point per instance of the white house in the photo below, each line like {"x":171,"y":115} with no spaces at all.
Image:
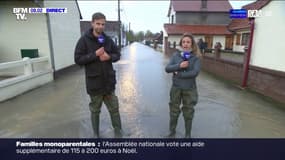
{"x":53,"y":35}
{"x":267,"y":44}
{"x":268,"y":39}
{"x":31,"y":33}
{"x":64,"y":32}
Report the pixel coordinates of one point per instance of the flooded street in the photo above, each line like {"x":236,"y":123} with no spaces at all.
{"x":60,"y":109}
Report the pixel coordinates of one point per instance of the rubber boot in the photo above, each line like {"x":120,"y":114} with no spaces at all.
{"x":118,"y":133}
{"x":172,"y":126}
{"x":188,"y":127}
{"x":188,"y":113}
{"x":116,"y":123}
{"x":112,"y":104}
{"x":95,"y":119}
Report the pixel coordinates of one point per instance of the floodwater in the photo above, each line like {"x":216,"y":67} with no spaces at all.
{"x":60,"y":108}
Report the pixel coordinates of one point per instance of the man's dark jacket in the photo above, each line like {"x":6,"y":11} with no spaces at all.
{"x":100,"y":76}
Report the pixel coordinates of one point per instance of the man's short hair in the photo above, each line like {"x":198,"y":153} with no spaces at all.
{"x":98,"y":15}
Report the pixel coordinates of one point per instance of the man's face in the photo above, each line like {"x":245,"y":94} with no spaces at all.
{"x":98,"y":25}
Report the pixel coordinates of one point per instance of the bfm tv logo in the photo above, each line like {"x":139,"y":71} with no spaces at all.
{"x":21,"y":12}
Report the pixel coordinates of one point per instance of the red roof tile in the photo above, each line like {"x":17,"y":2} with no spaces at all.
{"x":256,"y":5}
{"x":196,"y":5}
{"x":236,"y":24}
{"x":172,"y":29}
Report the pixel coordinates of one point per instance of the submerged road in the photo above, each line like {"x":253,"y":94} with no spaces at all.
{"x":60,"y":108}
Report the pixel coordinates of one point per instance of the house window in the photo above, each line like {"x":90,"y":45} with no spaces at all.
{"x":244,"y":38}
{"x":238,"y":39}
{"x":172,"y":19}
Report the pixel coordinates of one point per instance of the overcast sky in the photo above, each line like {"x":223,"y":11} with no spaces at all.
{"x":142,"y":15}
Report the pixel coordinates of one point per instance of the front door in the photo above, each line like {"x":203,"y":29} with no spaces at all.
{"x":229,"y":42}
{"x":209,"y":41}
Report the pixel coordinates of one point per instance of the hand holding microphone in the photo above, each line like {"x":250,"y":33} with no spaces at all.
{"x":101,"y":41}
{"x":102,"y":54}
{"x":104,"y":57}
{"x":101,"y":51}
{"x":186,"y":56}
{"x":184,"y":64}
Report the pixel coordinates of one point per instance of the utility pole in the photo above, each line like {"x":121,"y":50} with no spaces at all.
{"x":119,"y":19}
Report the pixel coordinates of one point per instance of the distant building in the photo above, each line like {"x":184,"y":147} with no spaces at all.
{"x":205,"y":19}
{"x":158,"y":38}
{"x":199,"y":12}
{"x":209,"y":33}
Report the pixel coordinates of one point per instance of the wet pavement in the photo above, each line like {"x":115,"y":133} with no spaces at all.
{"x":60,"y":108}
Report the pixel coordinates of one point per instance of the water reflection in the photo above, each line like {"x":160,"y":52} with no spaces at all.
{"x":60,"y":109}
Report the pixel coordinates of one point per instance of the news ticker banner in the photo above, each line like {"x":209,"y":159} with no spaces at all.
{"x":21,"y":12}
{"x":140,"y":149}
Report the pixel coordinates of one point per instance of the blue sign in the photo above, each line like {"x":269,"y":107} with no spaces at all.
{"x":238,"y":13}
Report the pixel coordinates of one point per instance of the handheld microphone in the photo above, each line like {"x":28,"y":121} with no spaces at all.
{"x":186,"y":55}
{"x":101,"y":40}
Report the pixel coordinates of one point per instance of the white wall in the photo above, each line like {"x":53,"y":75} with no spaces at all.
{"x":163,"y":40}
{"x":16,"y":86}
{"x":197,"y":37}
{"x":174,"y":38}
{"x":268,"y":43}
{"x":16,"y":35}
{"x":65,"y":32}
